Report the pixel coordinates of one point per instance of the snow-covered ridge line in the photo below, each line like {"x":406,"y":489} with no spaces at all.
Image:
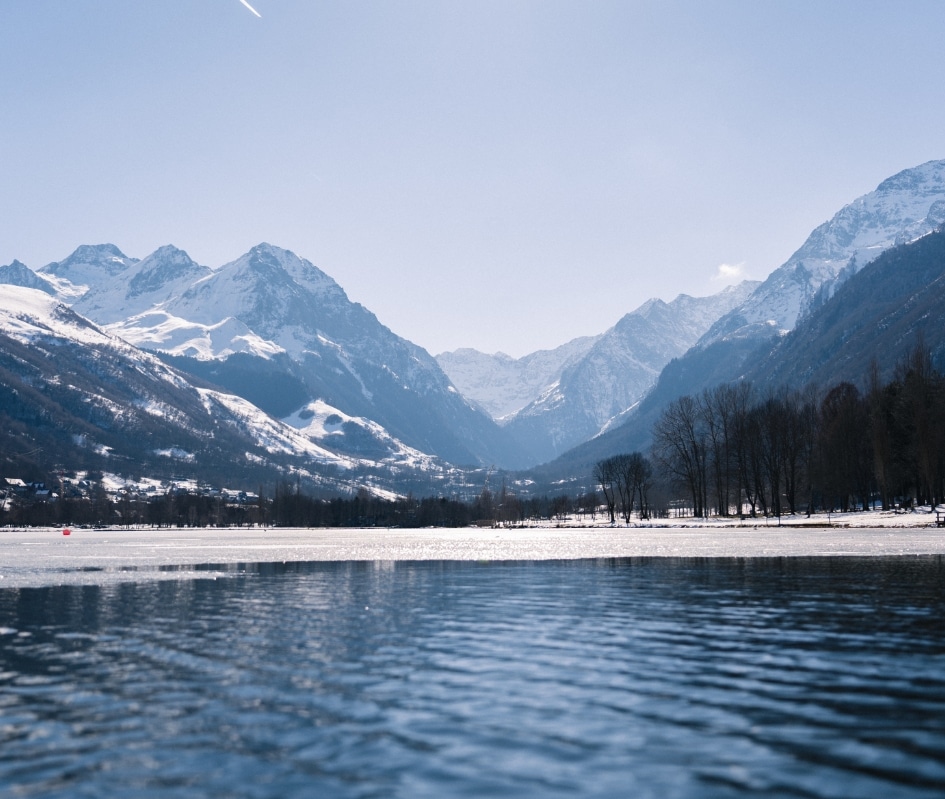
{"x":901,"y":209}
{"x":271,"y":305}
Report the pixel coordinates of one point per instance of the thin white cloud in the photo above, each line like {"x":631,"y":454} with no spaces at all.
{"x":729,"y":273}
{"x":251,"y":8}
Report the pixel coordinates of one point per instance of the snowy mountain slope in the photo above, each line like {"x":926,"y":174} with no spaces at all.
{"x":503,"y":385}
{"x":618,"y":369}
{"x":163,"y":332}
{"x":92,"y":399}
{"x":31,"y":316}
{"x":270,"y":303}
{"x":45,"y":324}
{"x":90,"y":266}
{"x":319,"y":422}
{"x":19,"y":274}
{"x":902,"y":208}
{"x":880,"y":314}
{"x":140,"y":285}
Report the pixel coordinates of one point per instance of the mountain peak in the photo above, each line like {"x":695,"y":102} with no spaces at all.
{"x":88,"y":266}
{"x":264,"y":247}
{"x":282,"y":262}
{"x":271,"y":255}
{"x":650,"y":306}
{"x":19,"y":274}
{"x":162,"y":273}
{"x":169,"y":251}
{"x":106,"y":248}
{"x":902,"y":208}
{"x":265,"y":257}
{"x":96,"y":253}
{"x":917,"y":178}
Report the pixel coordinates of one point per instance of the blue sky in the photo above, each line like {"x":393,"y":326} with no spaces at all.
{"x":500,"y":175}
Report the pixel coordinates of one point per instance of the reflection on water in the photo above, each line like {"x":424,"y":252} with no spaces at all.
{"x":641,"y":677}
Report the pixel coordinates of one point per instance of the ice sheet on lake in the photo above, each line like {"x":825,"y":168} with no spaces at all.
{"x":47,"y":557}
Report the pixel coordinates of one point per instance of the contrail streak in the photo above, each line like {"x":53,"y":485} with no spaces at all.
{"x":251,"y":8}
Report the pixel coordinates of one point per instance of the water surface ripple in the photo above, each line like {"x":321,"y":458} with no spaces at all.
{"x":800,"y":677}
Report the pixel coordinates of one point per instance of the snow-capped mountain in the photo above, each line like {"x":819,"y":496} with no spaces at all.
{"x":265,"y":360}
{"x":503,"y":385}
{"x":749,"y":342}
{"x":88,"y":267}
{"x":284,"y":300}
{"x":19,"y":274}
{"x":617,"y":370}
{"x":271,"y":304}
{"x":70,"y":388}
{"x":877,"y":316}
{"x":901,"y":209}
{"x":138,"y":286}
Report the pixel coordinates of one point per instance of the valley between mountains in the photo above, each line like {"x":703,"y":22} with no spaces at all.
{"x":262,"y":369}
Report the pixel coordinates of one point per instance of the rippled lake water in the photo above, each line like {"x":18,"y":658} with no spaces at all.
{"x":800,"y":677}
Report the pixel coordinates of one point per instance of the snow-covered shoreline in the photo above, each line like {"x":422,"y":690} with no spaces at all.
{"x":43,"y":557}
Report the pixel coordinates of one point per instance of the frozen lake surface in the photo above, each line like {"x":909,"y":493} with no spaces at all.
{"x":380,"y":676}
{"x":44,"y":557}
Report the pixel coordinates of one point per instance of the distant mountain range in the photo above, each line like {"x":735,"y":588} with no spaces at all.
{"x":263,"y":366}
{"x":877,"y":286}
{"x":503,"y":385}
{"x":73,"y":396}
{"x":580,"y":388}
{"x":273,"y":326}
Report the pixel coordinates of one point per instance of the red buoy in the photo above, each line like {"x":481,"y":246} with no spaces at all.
{"x":66,"y":531}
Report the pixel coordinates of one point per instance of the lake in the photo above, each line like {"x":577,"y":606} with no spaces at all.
{"x":630,"y":677}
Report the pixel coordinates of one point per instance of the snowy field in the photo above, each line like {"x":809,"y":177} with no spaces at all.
{"x":47,"y":557}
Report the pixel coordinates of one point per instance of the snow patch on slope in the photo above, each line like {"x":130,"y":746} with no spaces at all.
{"x":270,"y":434}
{"x":320,"y":422}
{"x":160,"y":330}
